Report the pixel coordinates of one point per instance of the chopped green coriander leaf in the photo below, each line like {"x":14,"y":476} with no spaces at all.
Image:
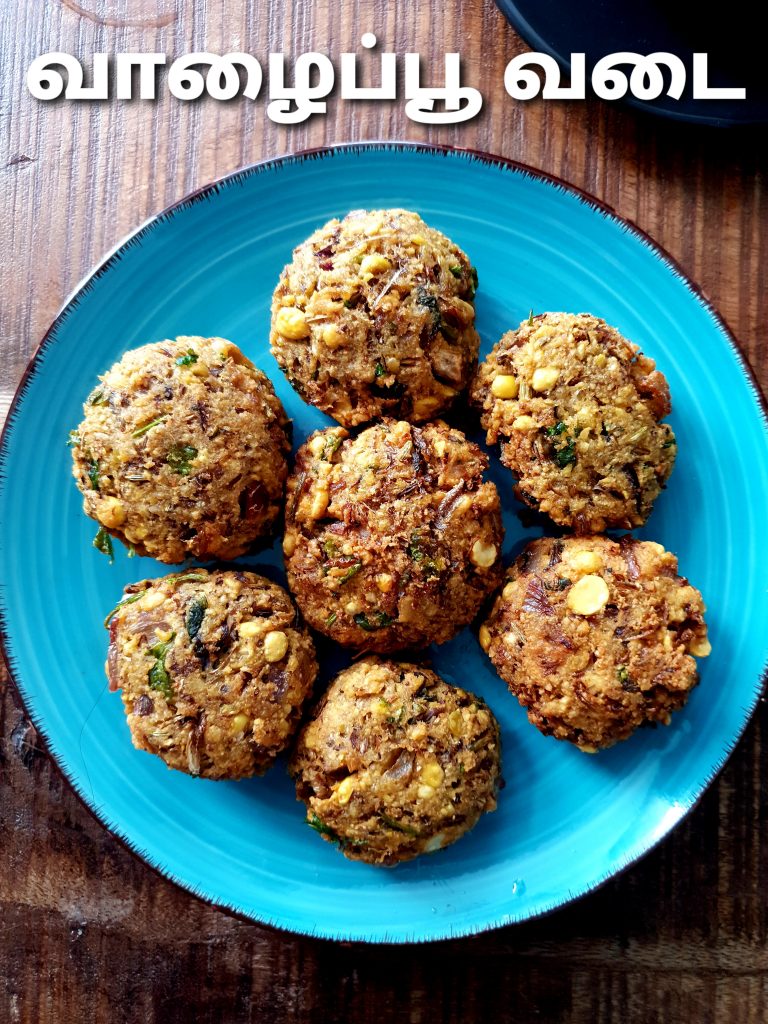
{"x":331,"y":619}
{"x":473,"y":274}
{"x":195,"y":615}
{"x":179,"y":458}
{"x":566,"y":456}
{"x":139,"y":431}
{"x":397,"y":718}
{"x":73,"y":440}
{"x":330,"y":547}
{"x":397,"y":826}
{"x":93,"y":473}
{"x":188,"y":358}
{"x":158,"y":674}
{"x":627,"y":682}
{"x":373,"y":620}
{"x":190,"y":576}
{"x":419,"y":555}
{"x":456,"y":271}
{"x":563,"y":583}
{"x":415,"y":551}
{"x":427,"y":301}
{"x":379,"y":370}
{"x":352,"y":571}
{"x":331,"y":446}
{"x":128,"y":599}
{"x":131,"y":551}
{"x":324,"y":830}
{"x":103,"y":543}
{"x":530,"y":319}
{"x":558,"y":428}
{"x":669,"y":444}
{"x":97,"y":398}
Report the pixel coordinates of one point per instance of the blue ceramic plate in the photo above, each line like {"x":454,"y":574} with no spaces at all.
{"x":566,"y":821}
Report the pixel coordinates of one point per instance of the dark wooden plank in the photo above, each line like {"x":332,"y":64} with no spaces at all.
{"x":87,"y":932}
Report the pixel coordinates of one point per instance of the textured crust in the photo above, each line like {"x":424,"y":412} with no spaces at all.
{"x":221,"y":704}
{"x":588,"y":449}
{"x":185,"y":459}
{"x":392,"y":537}
{"x":384,"y":318}
{"x":395,"y":762}
{"x":593,"y":679}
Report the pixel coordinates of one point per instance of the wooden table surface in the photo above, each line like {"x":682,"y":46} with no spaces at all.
{"x":88,"y":932}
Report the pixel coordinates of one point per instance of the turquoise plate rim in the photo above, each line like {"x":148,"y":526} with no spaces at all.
{"x":134,"y":237}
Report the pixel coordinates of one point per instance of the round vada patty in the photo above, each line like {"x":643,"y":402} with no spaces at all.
{"x":577,"y":410}
{"x":596,"y":637}
{"x":392,"y":537}
{"x":183,"y":451}
{"x":395,"y":762}
{"x":374,"y":317}
{"x":213,"y":667}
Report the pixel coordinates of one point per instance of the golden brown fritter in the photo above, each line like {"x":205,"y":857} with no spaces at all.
{"x":392,"y":537}
{"x":595,"y":637}
{"x":183,"y":451}
{"x":577,"y":409}
{"x":395,"y":762}
{"x":214,"y":669}
{"x":374,"y":317}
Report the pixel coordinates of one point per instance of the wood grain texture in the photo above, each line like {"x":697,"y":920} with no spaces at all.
{"x":87,"y":932}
